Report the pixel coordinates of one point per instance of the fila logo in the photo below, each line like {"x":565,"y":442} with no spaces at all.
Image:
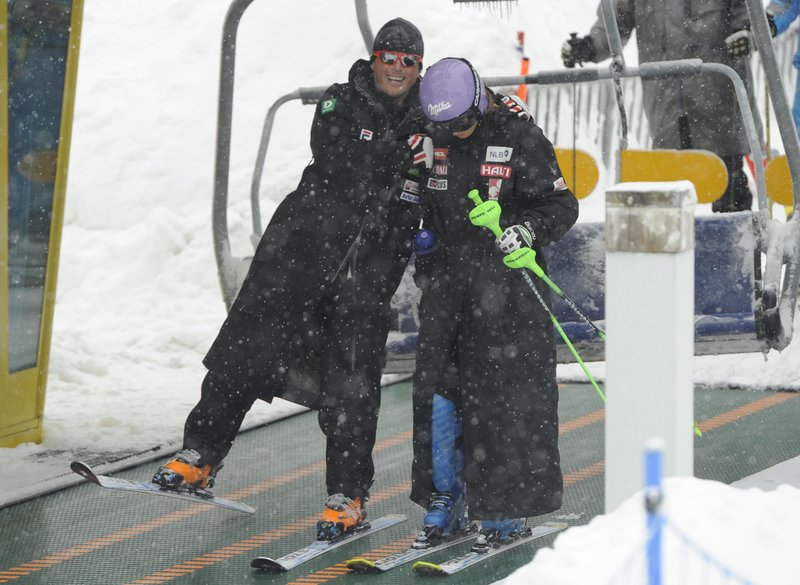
{"x":498,"y":153}
{"x":437,"y":184}
{"x":439,"y":169}
{"x":366,"y":134}
{"x":440,"y":153}
{"x":503,"y":171}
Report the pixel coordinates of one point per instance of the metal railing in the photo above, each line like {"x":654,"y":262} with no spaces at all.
{"x":565,"y":103}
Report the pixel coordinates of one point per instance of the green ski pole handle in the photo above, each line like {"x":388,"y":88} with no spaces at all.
{"x":485,"y":213}
{"x":526,"y":258}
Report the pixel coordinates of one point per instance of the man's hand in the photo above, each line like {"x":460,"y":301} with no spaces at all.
{"x":516,"y":105}
{"x":740,"y":43}
{"x":515,"y":238}
{"x":421,"y":150}
{"x":577,"y":50}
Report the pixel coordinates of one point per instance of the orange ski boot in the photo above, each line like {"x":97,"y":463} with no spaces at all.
{"x":341,"y":516}
{"x":186,"y":471}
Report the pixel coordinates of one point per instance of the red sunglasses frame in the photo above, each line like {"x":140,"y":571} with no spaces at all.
{"x":399,"y":56}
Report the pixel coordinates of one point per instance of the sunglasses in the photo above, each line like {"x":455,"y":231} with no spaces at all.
{"x":464,"y":122}
{"x":391,"y":57}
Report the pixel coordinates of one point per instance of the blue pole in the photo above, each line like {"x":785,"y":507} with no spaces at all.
{"x":653,"y":472}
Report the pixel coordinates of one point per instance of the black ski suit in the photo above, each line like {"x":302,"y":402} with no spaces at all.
{"x":485,"y":342}
{"x":311,"y":319}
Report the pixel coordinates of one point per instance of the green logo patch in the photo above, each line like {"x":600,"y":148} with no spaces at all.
{"x":328,"y":106}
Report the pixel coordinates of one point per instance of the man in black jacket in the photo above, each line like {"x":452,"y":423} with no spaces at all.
{"x":685,"y":112}
{"x":311,"y":319}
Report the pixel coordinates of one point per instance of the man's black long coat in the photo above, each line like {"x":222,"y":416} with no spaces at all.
{"x":271,"y":341}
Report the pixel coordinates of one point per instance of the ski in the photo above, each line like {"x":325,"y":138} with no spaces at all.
{"x":457,"y":564}
{"x":319,"y":547}
{"x":363,"y":566}
{"x":197,"y":496}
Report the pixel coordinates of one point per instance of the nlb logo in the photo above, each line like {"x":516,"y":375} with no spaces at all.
{"x":434,"y":109}
{"x":498,"y":153}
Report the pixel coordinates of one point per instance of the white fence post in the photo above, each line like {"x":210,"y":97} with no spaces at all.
{"x":650,"y":326}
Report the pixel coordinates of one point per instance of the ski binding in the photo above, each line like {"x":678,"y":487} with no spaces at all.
{"x":457,"y":564}
{"x":363,"y":566}
{"x":319,"y":547}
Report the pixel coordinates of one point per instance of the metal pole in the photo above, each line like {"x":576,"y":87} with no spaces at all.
{"x":363,"y":24}
{"x":228,"y":273}
{"x":763,"y":38}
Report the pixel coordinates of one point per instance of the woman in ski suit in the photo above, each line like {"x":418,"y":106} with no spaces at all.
{"x":486,"y":361}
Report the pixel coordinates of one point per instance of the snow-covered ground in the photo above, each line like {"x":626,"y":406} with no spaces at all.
{"x":138,"y":296}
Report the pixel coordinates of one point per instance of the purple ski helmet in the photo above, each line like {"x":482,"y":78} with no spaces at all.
{"x":450,"y":88}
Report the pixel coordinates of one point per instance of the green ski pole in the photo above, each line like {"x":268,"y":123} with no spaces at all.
{"x":487,"y":214}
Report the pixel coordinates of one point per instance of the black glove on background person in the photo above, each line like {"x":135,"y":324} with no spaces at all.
{"x":741,"y":43}
{"x":577,"y":50}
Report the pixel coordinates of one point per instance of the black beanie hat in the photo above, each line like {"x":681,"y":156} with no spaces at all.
{"x":399,"y":35}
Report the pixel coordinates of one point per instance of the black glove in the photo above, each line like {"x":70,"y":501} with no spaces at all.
{"x":740,"y":43}
{"x":577,"y":50}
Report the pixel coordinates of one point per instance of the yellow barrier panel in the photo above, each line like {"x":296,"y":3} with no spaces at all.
{"x":705,"y":169}
{"x":39,"y":55}
{"x":779,"y":181}
{"x":580,"y":171}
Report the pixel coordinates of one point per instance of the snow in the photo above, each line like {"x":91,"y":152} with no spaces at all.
{"x":138,"y":296}
{"x":736,"y":528}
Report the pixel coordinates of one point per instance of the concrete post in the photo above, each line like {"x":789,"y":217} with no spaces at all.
{"x":650,"y":327}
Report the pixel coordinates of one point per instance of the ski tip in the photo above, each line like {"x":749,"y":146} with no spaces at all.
{"x":426,"y":568}
{"x":84,"y":471}
{"x":396,"y":518}
{"x":237,"y":507}
{"x":362,"y":565}
{"x":267,"y":564}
